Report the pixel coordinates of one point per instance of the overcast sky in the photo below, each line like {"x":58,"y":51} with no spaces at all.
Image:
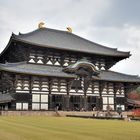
{"x":114,"y":23}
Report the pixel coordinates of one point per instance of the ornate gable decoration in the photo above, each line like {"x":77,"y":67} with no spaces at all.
{"x":82,"y":68}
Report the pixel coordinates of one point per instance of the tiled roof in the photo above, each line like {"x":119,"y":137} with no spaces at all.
{"x":5,"y":98}
{"x":116,"y":76}
{"x":64,"y":40}
{"x":55,"y":71}
{"x":33,"y":69}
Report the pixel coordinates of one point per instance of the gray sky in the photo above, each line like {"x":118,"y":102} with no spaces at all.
{"x":114,"y":23}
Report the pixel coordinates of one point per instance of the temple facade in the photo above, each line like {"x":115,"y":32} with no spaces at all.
{"x":49,"y":69}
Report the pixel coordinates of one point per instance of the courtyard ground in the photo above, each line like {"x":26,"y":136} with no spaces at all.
{"x":63,"y":128}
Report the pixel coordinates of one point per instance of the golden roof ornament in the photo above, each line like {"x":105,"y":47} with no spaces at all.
{"x":41,"y":25}
{"x":69,"y":29}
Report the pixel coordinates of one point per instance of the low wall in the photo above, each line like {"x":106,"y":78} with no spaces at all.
{"x":28,"y":113}
{"x":53,"y":113}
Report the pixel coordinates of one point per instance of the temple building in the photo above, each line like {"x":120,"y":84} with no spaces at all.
{"x":49,"y":69}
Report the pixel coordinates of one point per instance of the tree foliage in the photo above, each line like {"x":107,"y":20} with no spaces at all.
{"x":6,"y":83}
{"x":134,"y":95}
{"x":138,"y":90}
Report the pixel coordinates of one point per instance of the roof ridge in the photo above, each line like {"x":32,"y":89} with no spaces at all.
{"x":64,"y":40}
{"x":72,"y":34}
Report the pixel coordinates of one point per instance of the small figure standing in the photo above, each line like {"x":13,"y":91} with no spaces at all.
{"x":119,"y":110}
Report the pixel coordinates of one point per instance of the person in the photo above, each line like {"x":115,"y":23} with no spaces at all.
{"x":98,"y":114}
{"x":94,"y":108}
{"x":57,"y":107}
{"x":119,"y":110}
{"x":108,"y":108}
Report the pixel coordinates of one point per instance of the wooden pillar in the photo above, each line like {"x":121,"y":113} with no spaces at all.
{"x":50,"y":96}
{"x":85,"y":96}
{"x":67,"y":97}
{"x":115,"y":91}
{"x":126,"y":91}
{"x":12,"y":104}
{"x":100,"y":96}
{"x":30,"y":92}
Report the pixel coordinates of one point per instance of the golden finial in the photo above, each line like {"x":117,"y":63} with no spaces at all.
{"x":41,"y":25}
{"x":69,"y":29}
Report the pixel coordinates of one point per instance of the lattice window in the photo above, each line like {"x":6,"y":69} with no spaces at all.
{"x":82,"y":85}
{"x":71,"y":89}
{"x":44,"y":106}
{"x":32,"y":58}
{"x":97,"y":65}
{"x":22,"y":106}
{"x":36,"y":98}
{"x":45,"y":86}
{"x":39,"y":102}
{"x":96,"y":87}
{"x":35,"y":106}
{"x":66,"y":62}
{"x":108,"y":101}
{"x":40,"y":85}
{"x":104,"y":90}
{"x":36,"y":85}
{"x":77,"y":86}
{"x":39,"y":98}
{"x":120,"y":89}
{"x":55,"y":85}
{"x":49,"y":60}
{"x":110,"y":88}
{"x":40,"y":59}
{"x":56,"y":60}
{"x":18,"y":106}
{"x":75,"y":99}
{"x":63,"y":86}
{"x":102,"y":65}
{"x":89,"y":90}
{"x":19,"y":85}
{"x":22,"y":85}
{"x":44,"y":98}
{"x":73,"y":60}
{"x":58,"y":86}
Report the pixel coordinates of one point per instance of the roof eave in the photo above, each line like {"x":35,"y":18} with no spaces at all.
{"x":124,"y":56}
{"x":29,"y":73}
{"x":13,"y":36}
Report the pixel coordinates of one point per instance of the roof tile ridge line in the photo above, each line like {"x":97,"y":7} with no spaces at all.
{"x":56,"y":30}
{"x":23,"y":34}
{"x":7,"y":46}
{"x":39,"y":29}
{"x":124,"y":73}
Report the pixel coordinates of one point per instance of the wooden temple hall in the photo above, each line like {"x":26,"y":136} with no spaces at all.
{"x":49,"y":69}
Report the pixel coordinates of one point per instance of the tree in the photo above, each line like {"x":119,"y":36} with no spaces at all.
{"x":138,"y":89}
{"x":134,"y":95}
{"x":6,"y":83}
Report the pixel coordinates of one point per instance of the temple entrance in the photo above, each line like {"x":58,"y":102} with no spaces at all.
{"x":3,"y":106}
{"x":57,"y":102}
{"x":91,"y":103}
{"x":75,"y":103}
